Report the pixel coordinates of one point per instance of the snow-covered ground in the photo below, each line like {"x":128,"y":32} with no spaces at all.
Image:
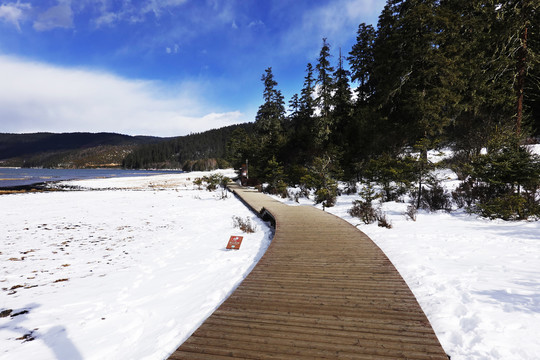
{"x":117,"y":274}
{"x":129,"y":274}
{"x":478,"y":281}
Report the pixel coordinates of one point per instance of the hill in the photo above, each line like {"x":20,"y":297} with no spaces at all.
{"x":199,"y":151}
{"x":68,"y":150}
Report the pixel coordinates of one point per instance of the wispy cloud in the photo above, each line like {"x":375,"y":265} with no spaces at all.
{"x":14,"y":13}
{"x":39,"y":97}
{"x":58,"y":16}
{"x":337,"y":21}
{"x":158,"y":6}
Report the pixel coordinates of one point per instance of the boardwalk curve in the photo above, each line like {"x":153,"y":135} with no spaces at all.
{"x":322,"y":290}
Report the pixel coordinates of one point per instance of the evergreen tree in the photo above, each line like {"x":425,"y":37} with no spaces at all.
{"x":302,"y":139}
{"x":361,"y":61}
{"x":324,"y":94}
{"x":341,"y":110}
{"x":269,"y":123}
{"x":411,"y":72}
{"x":307,"y":101}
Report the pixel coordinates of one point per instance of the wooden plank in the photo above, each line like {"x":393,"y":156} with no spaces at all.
{"x":322,"y":290}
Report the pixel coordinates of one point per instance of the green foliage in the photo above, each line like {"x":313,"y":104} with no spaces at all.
{"x":185,"y":151}
{"x":504,"y":182}
{"x":321,"y":178}
{"x":363,"y":209}
{"x":212,"y":182}
{"x":433,"y":197}
{"x":68,"y":150}
{"x":274,"y":176}
{"x":395,"y":174}
{"x":506,"y":207}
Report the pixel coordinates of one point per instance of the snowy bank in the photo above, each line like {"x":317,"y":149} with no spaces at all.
{"x":117,"y":274}
{"x":478,"y":281}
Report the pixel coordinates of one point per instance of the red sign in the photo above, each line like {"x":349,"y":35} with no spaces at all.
{"x":235,"y":242}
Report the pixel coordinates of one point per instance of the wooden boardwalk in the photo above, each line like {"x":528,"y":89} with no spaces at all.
{"x":322,"y":290}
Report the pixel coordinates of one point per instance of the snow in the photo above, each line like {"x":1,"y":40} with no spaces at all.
{"x":478,"y":281}
{"x":145,"y":264}
{"x":117,"y":274}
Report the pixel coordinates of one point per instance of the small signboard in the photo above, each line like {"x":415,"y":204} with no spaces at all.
{"x":235,"y":242}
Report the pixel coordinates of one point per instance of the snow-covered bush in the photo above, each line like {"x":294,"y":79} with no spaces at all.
{"x":244,"y":225}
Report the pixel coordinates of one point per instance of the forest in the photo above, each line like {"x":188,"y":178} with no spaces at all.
{"x":457,"y":74}
{"x":194,"y":152}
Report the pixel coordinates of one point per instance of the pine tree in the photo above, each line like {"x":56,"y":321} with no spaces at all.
{"x":302,"y":140}
{"x":307,"y":102}
{"x":361,"y":61}
{"x":324,"y":95}
{"x":271,"y":114}
{"x":269,"y":123}
{"x":341,"y":107}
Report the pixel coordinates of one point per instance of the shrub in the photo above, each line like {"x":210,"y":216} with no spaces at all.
{"x":509,"y":207}
{"x":364,"y":211}
{"x":212,"y":182}
{"x":433,"y":197}
{"x":293,"y":195}
{"x":198,"y":182}
{"x":464,"y":194}
{"x":382,"y":221}
{"x":320,"y":178}
{"x":411,"y":212}
{"x":394,"y":174}
{"x":504,"y":183}
{"x":244,"y":225}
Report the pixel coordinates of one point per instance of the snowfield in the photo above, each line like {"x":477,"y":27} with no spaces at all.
{"x":117,"y":274}
{"x":478,"y":281}
{"x":129,"y":271}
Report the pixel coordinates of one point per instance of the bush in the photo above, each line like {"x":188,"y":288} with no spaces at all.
{"x":320,"y":178}
{"x":244,"y":225}
{"x":212,"y":182}
{"x":434,"y":197}
{"x":509,"y":207}
{"x":394,"y":174}
{"x":505,"y":182}
{"x":364,"y":211}
{"x":411,"y":212}
{"x":382,"y":221}
{"x":464,"y":194}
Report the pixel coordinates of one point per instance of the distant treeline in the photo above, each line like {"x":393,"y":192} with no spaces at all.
{"x":15,"y":145}
{"x":199,"y":151}
{"x":68,"y":150}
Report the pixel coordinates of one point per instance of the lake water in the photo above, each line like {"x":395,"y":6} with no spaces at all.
{"x":10,"y":177}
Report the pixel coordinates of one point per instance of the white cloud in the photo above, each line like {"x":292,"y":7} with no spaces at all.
{"x":173,"y":50}
{"x":336,"y":21}
{"x":157,"y":6}
{"x":14,"y":13}
{"x":106,"y":19}
{"x":256,"y":23}
{"x":39,"y":97}
{"x":59,"y":16}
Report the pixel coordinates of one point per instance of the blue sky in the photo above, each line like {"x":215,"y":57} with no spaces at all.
{"x":159,"y":67}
